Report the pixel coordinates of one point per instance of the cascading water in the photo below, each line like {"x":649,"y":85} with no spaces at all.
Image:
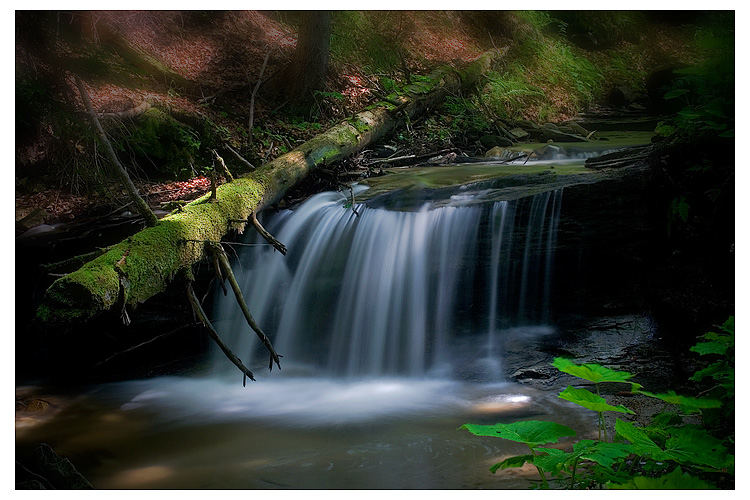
{"x":383,"y":292}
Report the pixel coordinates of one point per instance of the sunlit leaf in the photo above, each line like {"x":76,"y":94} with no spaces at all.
{"x":529,"y":432}
{"x":592,"y":372}
{"x":686,"y":402}
{"x":589,"y":400}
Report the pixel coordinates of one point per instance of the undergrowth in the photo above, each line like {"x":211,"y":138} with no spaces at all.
{"x":671,"y":452}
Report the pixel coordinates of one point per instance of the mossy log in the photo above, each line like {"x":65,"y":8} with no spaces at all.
{"x":144,"y":264}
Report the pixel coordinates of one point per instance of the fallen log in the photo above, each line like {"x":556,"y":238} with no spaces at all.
{"x":621,"y":158}
{"x":157,"y":254}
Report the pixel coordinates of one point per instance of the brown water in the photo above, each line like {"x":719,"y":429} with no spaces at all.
{"x":290,"y":432}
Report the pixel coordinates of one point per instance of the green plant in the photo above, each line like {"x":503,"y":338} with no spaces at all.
{"x":668,"y":453}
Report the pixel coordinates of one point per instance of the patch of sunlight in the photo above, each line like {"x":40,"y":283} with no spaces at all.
{"x":142,"y":476}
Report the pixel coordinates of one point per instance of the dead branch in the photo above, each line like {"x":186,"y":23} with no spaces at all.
{"x":141,"y":205}
{"x":227,"y":270}
{"x":217,"y":270}
{"x":138,"y":346}
{"x":239,"y":156}
{"x":410,"y":159}
{"x":193,"y":299}
{"x":252,"y":98}
{"x":266,"y":235}
{"x":227,"y":174}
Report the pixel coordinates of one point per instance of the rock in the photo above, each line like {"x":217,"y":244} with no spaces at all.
{"x":549,"y":152}
{"x":559,"y":136}
{"x":577,"y":129}
{"x":497,"y":153}
{"x":32,"y":219}
{"x":443,"y":159}
{"x":489,"y":141}
{"x":59,"y":471}
{"x":519,"y":133}
{"x":527,"y":125}
{"x":529,"y":373}
{"x":550,"y":126}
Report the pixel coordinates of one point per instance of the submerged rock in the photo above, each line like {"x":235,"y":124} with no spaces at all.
{"x":498,"y":153}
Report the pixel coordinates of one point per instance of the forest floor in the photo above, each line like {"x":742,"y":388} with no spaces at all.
{"x":220,"y":54}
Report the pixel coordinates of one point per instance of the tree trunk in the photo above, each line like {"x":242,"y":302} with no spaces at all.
{"x":307,"y":71}
{"x":144,"y":264}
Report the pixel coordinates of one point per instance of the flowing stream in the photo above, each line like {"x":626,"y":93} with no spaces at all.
{"x":378,"y":292}
{"x":392,"y":324}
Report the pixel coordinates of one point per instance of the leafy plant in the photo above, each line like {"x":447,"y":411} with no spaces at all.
{"x":666,"y":454}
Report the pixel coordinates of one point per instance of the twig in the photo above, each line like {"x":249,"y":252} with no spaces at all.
{"x":252,"y":98}
{"x":214,"y":335}
{"x":266,"y":235}
{"x":239,"y":156}
{"x":227,"y":242}
{"x":219,"y":277}
{"x":351,"y":191}
{"x":223,"y":166}
{"x":133,"y":348}
{"x":227,"y":269}
{"x":142,"y":206}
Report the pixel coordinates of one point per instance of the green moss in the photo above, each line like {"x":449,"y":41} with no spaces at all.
{"x":440,"y":177}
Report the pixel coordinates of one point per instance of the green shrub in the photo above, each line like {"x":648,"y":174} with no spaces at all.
{"x":666,"y":454}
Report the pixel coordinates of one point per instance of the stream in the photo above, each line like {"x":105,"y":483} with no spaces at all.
{"x":394,"y":320}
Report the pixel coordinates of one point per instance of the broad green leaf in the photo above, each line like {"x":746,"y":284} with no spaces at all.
{"x":529,"y":432}
{"x":718,"y":371}
{"x":673,"y":94}
{"x":517,"y":461}
{"x":642,"y":444}
{"x":724,"y":338}
{"x":589,"y":400}
{"x":695,"y":445}
{"x":675,"y":480}
{"x":728,"y":325}
{"x":552,"y":459}
{"x":713,"y":347}
{"x":592,"y":372}
{"x":688,"y":403}
{"x":605,"y":454}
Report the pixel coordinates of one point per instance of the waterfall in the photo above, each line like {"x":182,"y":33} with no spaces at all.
{"x":384,"y":292}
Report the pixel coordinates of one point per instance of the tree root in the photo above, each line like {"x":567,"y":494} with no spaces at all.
{"x":227,"y":270}
{"x":198,"y":310}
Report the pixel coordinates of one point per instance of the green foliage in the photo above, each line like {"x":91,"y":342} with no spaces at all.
{"x":675,"y":480}
{"x":688,"y":404}
{"x":162,"y":141}
{"x":529,"y":432}
{"x":666,"y":454}
{"x":705,"y":91}
{"x":592,"y":372}
{"x":585,"y":398}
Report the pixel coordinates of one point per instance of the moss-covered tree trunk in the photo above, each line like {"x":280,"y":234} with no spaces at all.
{"x":144,"y":264}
